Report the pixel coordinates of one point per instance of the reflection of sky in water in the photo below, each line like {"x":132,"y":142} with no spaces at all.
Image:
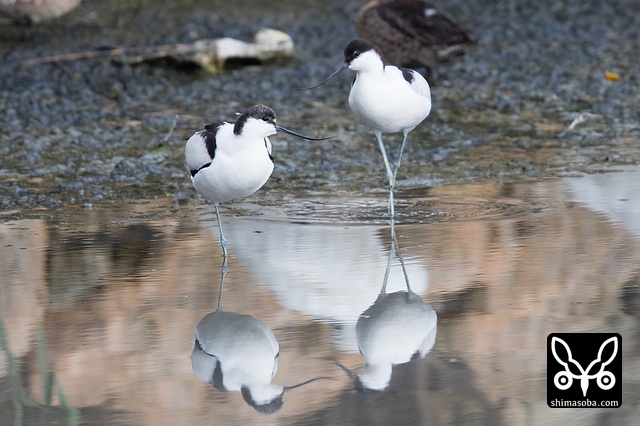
{"x":332,"y":275}
{"x":617,"y":195}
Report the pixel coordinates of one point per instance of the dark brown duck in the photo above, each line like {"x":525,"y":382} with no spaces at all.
{"x":411,"y":33}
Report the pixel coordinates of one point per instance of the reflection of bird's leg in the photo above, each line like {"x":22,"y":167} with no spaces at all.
{"x":223,"y":242}
{"x":390,"y":174}
{"x":223,"y":273}
{"x":396,"y":249}
{"x":383,"y":290}
{"x":401,"y":259}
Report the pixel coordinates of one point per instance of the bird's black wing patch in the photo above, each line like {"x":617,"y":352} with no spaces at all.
{"x":268,"y":153}
{"x":195,"y":171}
{"x":217,"y":379}
{"x":209,"y":136}
{"x":407,"y":74}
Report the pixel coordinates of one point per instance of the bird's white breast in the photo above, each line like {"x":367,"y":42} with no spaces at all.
{"x":388,"y":103}
{"x":239,"y":168}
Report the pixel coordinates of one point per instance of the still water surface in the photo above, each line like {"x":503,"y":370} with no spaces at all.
{"x":99,"y":308}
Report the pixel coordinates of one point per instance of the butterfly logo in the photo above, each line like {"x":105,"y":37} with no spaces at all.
{"x":564,"y":379}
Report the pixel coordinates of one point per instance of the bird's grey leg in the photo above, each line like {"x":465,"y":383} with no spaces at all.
{"x":390,"y":174}
{"x":395,"y":172}
{"x":223,"y":242}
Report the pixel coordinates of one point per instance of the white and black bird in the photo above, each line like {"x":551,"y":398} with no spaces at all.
{"x":233,"y":160}
{"x":387,"y":99}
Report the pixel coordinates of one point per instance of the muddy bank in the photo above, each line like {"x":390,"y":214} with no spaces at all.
{"x":93,"y":131}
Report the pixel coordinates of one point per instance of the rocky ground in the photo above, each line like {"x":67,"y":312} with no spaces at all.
{"x":90,"y":131}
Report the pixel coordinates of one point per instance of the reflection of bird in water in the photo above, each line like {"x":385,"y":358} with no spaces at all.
{"x":387,"y":99}
{"x":397,"y":328}
{"x":411,"y":33}
{"x":233,"y":160}
{"x":236,"y":352}
{"x":35,"y":11}
{"x":332,"y":286}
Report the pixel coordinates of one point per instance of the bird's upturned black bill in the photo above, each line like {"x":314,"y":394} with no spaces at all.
{"x":346,"y":370}
{"x":288,"y":388}
{"x":291,"y":132}
{"x":336,"y":72}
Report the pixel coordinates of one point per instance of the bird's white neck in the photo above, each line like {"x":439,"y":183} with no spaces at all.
{"x":368,"y":63}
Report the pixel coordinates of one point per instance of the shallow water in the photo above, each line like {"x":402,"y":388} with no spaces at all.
{"x":99,"y":307}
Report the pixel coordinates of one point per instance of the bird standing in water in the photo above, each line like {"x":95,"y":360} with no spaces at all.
{"x":411,"y":33}
{"x":233,"y":160}
{"x":387,"y":99}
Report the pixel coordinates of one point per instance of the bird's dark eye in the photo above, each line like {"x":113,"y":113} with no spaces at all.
{"x":265,"y":118}
{"x":356,"y":53}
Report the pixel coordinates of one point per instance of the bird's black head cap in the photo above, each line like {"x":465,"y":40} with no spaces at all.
{"x":259,"y":112}
{"x":267,"y":408}
{"x":357,"y":47}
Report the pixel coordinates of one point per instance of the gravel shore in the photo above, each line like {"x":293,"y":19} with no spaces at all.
{"x":88,"y":131}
